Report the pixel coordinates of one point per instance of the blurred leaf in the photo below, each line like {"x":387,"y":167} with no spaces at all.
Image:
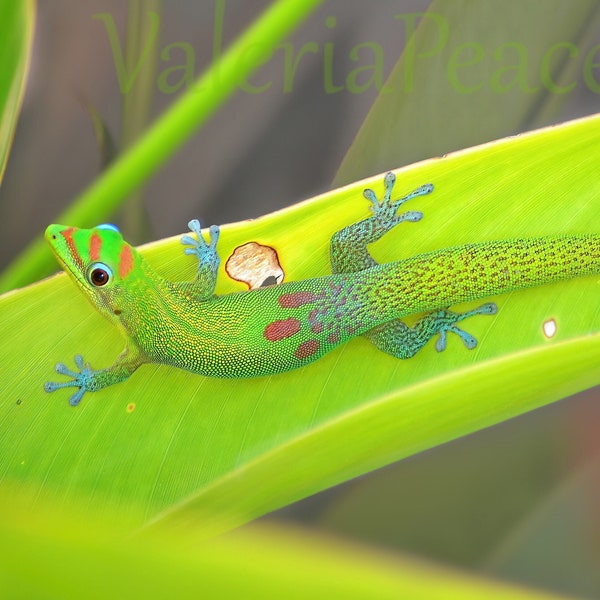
{"x":52,"y":554}
{"x":455,"y":503}
{"x":106,"y":144}
{"x":169,"y":132}
{"x":142,"y":48}
{"x":472,"y":72}
{"x":16,"y":28}
{"x":142,"y":37}
{"x":558,"y":543}
{"x":222,"y":452}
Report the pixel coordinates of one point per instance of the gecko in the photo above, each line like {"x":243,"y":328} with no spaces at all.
{"x":272,"y":329}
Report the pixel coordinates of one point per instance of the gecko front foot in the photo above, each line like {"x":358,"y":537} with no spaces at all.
{"x":208,"y":258}
{"x":386,"y":210}
{"x":447,"y":323}
{"x":84,"y":380}
{"x":205,"y":253}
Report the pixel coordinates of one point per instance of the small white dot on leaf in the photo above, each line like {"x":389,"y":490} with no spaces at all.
{"x":549,"y":328}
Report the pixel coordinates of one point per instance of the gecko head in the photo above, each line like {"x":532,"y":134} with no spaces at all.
{"x":97,"y":259}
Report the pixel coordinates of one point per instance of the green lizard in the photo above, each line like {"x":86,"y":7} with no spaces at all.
{"x":272,"y":329}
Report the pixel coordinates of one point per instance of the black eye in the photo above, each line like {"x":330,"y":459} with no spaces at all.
{"x":99,"y":274}
{"x":99,"y":277}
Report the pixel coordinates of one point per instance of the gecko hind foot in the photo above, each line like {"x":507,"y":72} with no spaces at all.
{"x":490,"y":308}
{"x":386,"y":210}
{"x":82,"y":379}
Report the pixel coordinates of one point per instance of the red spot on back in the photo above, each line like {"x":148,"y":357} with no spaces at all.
{"x":279,"y":330}
{"x":306,"y":349}
{"x":333,"y":338}
{"x":95,"y":245}
{"x":125,"y":261}
{"x":296,"y":299}
{"x":317,"y":327}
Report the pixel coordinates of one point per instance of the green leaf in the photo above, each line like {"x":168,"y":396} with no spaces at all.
{"x":143,"y":23}
{"x":222,"y":452}
{"x":107,"y":148}
{"x":53,"y":554}
{"x":473,"y":72}
{"x":169,"y":132}
{"x":16,"y":27}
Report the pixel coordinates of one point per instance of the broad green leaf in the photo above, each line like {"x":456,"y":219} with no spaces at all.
{"x":226,"y":451}
{"x":52,"y":554}
{"x":472,"y":72}
{"x":170,"y":131}
{"x":16,"y":28}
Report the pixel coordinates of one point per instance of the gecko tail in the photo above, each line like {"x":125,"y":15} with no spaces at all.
{"x":443,"y":278}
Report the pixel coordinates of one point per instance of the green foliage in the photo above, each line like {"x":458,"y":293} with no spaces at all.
{"x":16,"y":28}
{"x":236,"y":449}
{"x":167,"y":134}
{"x":464,"y":82}
{"x":172,"y":452}
{"x":53,"y":554}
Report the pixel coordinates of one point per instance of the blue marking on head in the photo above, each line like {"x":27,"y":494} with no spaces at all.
{"x":110,"y":226}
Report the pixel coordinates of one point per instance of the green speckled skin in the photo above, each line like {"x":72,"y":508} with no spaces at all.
{"x":273,"y":329}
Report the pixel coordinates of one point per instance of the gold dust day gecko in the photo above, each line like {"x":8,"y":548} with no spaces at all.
{"x":272,"y":329}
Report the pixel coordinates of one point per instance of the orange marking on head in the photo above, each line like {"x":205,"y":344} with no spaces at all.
{"x":68,"y":235}
{"x":95,"y":245}
{"x":125,"y":261}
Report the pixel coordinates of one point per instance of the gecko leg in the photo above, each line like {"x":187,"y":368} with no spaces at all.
{"x":349,"y":251}
{"x":89,"y":380}
{"x":400,"y":340}
{"x":206,"y":253}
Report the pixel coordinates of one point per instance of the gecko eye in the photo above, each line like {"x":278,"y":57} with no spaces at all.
{"x":99,"y":274}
